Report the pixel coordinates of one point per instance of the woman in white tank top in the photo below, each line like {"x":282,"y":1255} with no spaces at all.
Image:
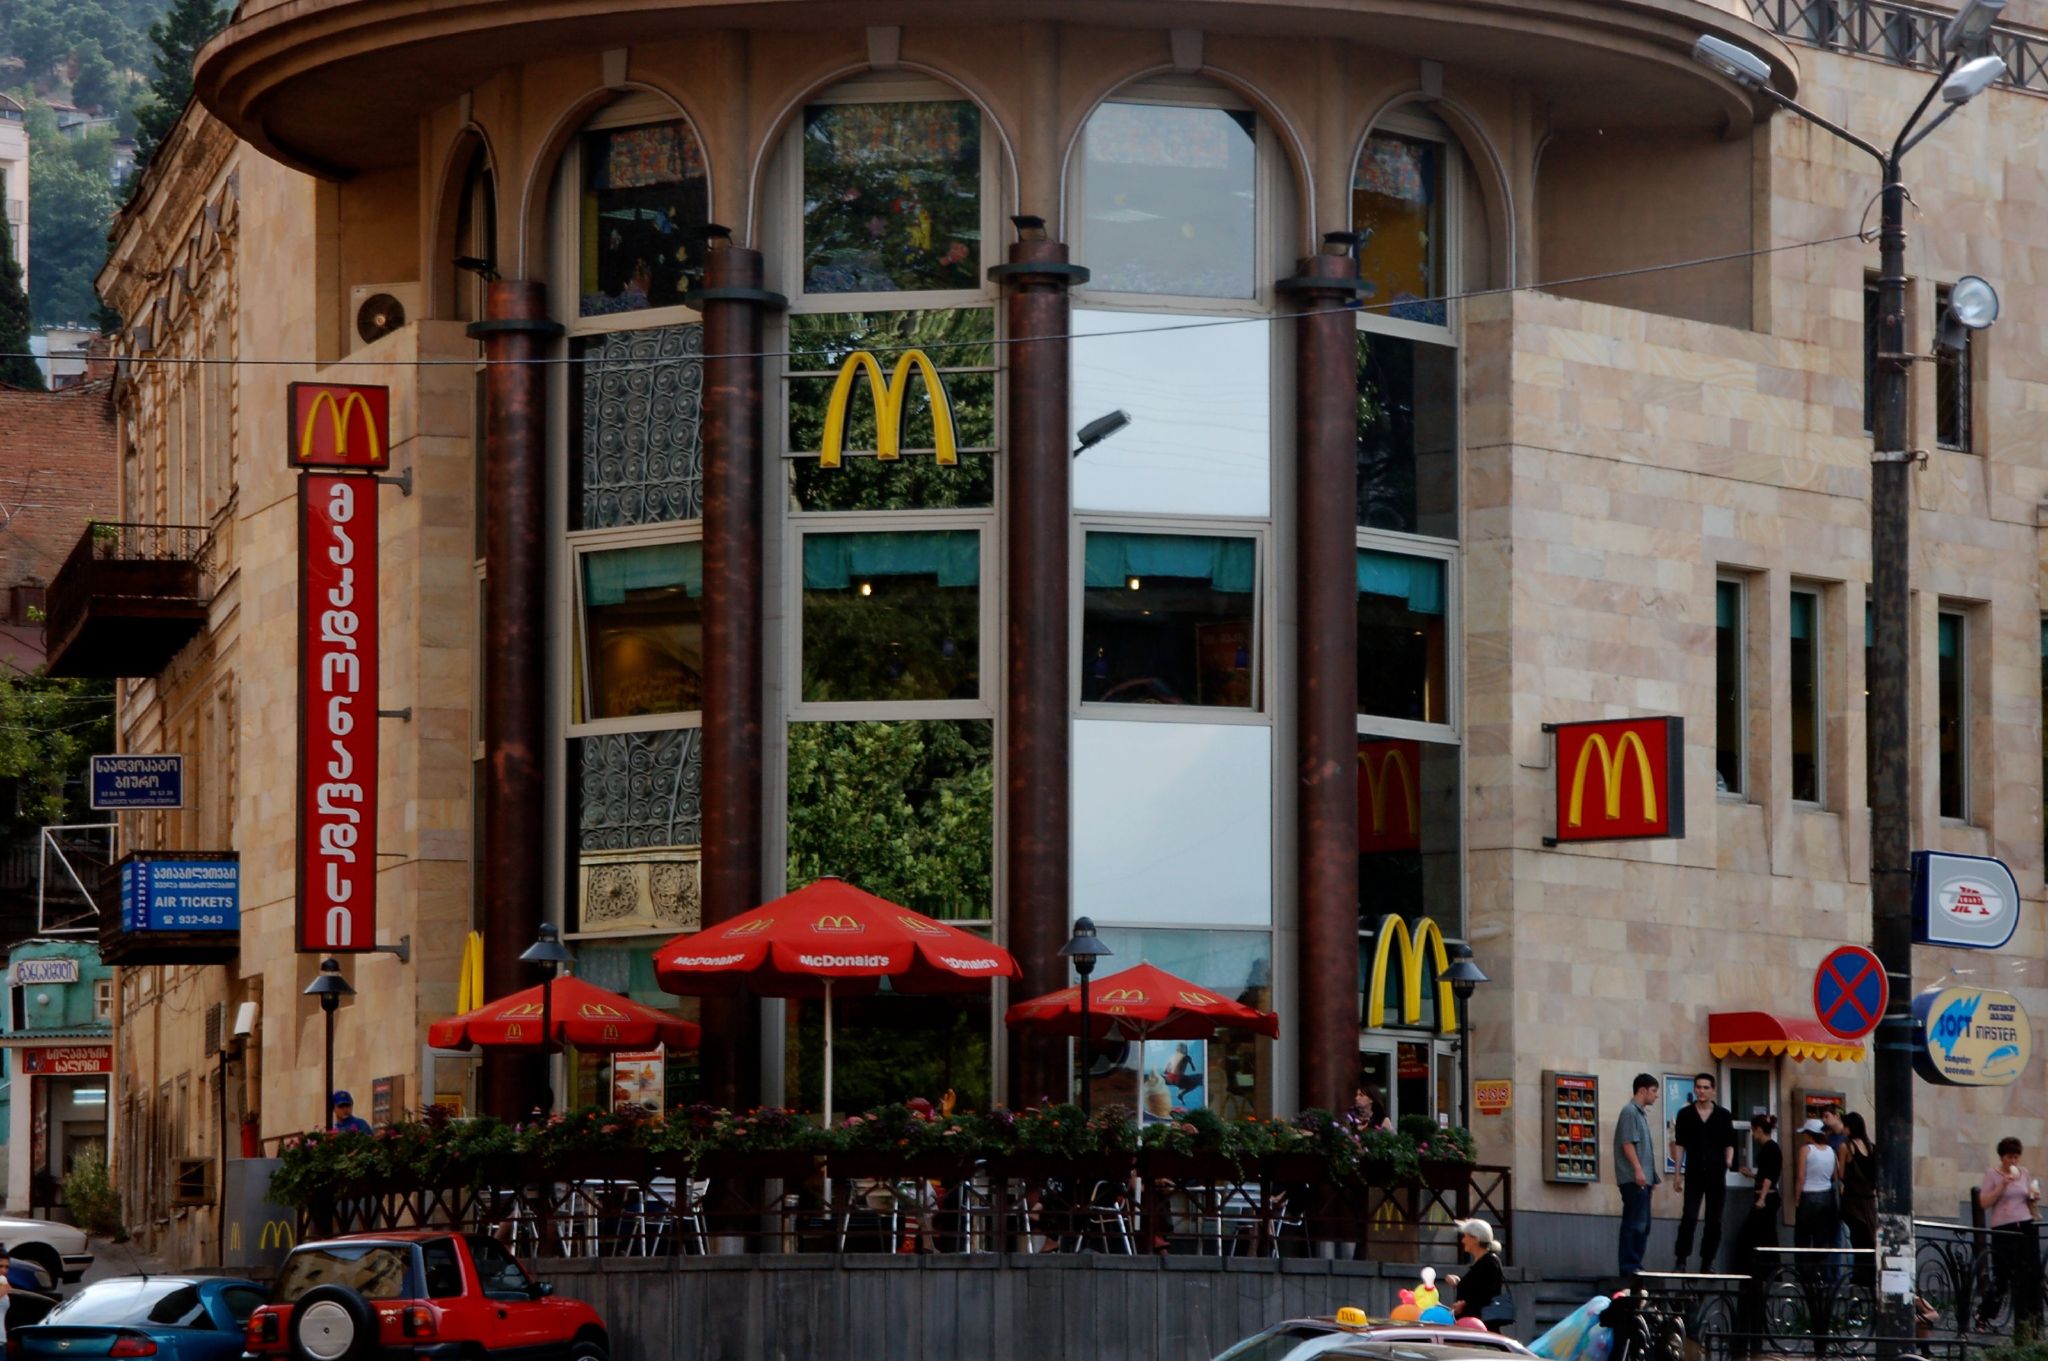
{"x":1819,"y":1213}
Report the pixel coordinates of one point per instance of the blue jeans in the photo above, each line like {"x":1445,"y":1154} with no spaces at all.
{"x":1635,"y":1227}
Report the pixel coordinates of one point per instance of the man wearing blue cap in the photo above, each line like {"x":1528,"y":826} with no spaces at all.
{"x":345,"y":1120}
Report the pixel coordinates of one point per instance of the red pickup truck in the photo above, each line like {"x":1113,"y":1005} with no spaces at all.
{"x":417,"y":1293}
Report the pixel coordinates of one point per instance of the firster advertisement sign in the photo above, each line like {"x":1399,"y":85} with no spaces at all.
{"x":1619,"y":779}
{"x":337,"y":898}
{"x":1970,"y":1037}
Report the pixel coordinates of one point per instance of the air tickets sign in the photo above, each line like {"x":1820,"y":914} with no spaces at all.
{"x":338,"y":428}
{"x":1619,"y":779}
{"x":1970,"y":1037}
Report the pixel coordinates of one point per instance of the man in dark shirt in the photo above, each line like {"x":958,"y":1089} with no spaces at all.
{"x":1705,"y":1134}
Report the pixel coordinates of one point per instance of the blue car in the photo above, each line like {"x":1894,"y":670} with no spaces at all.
{"x":35,"y":1292}
{"x":177,"y":1318}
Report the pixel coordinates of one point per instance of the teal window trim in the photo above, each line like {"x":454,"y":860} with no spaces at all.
{"x":1226,"y":562}
{"x":1417,"y":582}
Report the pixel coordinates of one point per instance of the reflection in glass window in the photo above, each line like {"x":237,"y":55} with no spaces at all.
{"x":1408,"y":834}
{"x":1805,"y":669}
{"x":1952,"y":686}
{"x":1397,"y":194}
{"x":1173,"y":822}
{"x":1168,"y":619}
{"x":1171,"y":195}
{"x":909,"y":1046}
{"x":1401,"y":659}
{"x":1199,"y":398}
{"x":1730,"y":700}
{"x":892,"y":616}
{"x":1235,"y":964}
{"x":892,"y":197}
{"x":1407,"y":435}
{"x":643,"y":631}
{"x":645,"y":202}
{"x":904,"y":809}
{"x":638,"y":450}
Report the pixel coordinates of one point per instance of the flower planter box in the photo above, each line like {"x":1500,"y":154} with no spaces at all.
{"x":1206,"y":1169}
{"x":1440,"y":1175}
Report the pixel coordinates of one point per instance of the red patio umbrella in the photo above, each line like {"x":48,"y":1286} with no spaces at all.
{"x":1141,"y":1002}
{"x":825,"y":937}
{"x":572,"y":1011}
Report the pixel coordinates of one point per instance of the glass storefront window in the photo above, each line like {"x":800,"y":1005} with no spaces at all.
{"x":1171,"y":197}
{"x":891,"y":1047}
{"x":891,"y":616}
{"x":1169,"y":619}
{"x":1199,"y":399}
{"x":643,"y":631}
{"x":1407,"y":435}
{"x":645,"y":201}
{"x":892,"y":197}
{"x":904,"y":809}
{"x":1397,"y":194}
{"x":1409,"y":819}
{"x":1173,"y":822}
{"x":1230,"y":1071}
{"x":1401,"y":637}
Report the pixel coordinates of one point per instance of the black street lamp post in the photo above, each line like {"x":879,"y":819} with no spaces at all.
{"x":549,"y":952}
{"x":1084,"y":949}
{"x":1464,"y":977}
{"x":330,"y":987}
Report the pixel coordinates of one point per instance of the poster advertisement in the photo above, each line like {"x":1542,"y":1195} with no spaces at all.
{"x":637,"y":1080}
{"x":1174,"y":1076}
{"x":1677,"y":1094}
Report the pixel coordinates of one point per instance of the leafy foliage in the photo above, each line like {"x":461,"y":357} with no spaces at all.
{"x":71,"y":206}
{"x":48,"y":727}
{"x":90,"y":1195}
{"x":177,"y":38}
{"x":16,"y":368}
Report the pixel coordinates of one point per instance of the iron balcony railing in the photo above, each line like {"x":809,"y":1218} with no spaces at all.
{"x":83,"y":576}
{"x":1902,"y":34}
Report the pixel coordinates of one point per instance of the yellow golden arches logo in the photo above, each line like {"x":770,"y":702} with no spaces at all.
{"x":339,"y":425}
{"x":469,"y":986}
{"x":519,"y":1011}
{"x":889,"y":407}
{"x":752,"y":928}
{"x":1415,"y":969}
{"x":277,"y":1234}
{"x":515,"y":1031}
{"x":1198,"y":999}
{"x":598,"y":1011}
{"x":1124,"y":995}
{"x":1391,"y":764}
{"x":922,"y":925}
{"x":834,"y":923}
{"x":1613,"y":763}
{"x":611,"y":1032}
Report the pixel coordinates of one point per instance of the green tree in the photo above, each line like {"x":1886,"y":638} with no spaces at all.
{"x":16,"y":368}
{"x":38,"y":33}
{"x":71,"y":194}
{"x":96,"y":86}
{"x":177,"y":38}
{"x":48,"y":727}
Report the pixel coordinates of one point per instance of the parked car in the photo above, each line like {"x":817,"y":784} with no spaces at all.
{"x":59,"y":1249}
{"x":176,"y":1318}
{"x":35,"y":1292}
{"x":453,"y":1297}
{"x":1298,"y":1339}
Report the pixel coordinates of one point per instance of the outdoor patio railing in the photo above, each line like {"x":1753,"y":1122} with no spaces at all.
{"x":868,"y":1203}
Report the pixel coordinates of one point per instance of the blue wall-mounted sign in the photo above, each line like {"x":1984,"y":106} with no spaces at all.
{"x":1970,"y":901}
{"x":1970,"y":1037}
{"x":138,"y":782}
{"x":181,"y":895}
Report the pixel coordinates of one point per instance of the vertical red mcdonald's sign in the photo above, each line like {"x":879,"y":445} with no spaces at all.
{"x":1389,"y":795}
{"x":337,"y":713}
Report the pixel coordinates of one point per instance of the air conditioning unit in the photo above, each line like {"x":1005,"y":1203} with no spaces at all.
{"x":376,"y":310}
{"x":192,"y":1181}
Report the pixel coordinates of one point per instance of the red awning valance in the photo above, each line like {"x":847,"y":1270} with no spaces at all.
{"x":1738,"y":1034}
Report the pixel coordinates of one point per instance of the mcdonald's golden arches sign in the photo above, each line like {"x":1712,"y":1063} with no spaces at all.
{"x":891,"y":396}
{"x":340,"y":425}
{"x":1619,"y":779}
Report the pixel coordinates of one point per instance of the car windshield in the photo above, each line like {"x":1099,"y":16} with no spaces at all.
{"x":1274,"y":1343}
{"x":130,"y":1301}
{"x":376,"y":1271}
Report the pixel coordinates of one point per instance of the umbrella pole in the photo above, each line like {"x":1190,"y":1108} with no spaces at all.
{"x":828,"y":1053}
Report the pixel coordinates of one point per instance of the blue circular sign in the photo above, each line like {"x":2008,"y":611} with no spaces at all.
{"x":1850,"y":992}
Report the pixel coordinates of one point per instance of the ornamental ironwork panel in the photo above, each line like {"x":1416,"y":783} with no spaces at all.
{"x":1903,"y":34}
{"x":641,"y":790}
{"x":640,"y":447}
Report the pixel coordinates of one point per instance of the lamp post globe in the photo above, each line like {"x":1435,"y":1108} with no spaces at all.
{"x":1084,"y":947}
{"x":1464,"y":978}
{"x":330,"y":987}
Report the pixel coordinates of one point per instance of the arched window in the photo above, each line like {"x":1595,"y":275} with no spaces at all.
{"x":475,"y":240}
{"x":642,"y":199}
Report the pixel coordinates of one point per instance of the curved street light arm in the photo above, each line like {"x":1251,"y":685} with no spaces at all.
{"x":1786,"y":101}
{"x":1907,"y":139}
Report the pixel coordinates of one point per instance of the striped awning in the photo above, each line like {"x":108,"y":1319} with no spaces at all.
{"x":1760,"y":1034}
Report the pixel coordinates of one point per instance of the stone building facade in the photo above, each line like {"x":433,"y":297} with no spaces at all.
{"x":1593,"y":447}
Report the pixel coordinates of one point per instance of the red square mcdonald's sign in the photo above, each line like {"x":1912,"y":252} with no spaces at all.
{"x":340,"y":425}
{"x":1619,"y":779}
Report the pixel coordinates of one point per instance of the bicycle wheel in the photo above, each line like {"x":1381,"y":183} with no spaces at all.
{"x":1936,"y":1283}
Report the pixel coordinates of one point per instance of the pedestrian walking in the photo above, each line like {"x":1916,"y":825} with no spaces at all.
{"x":1760,"y":1225}
{"x":2010,"y":1197}
{"x":1635,"y":1172}
{"x":1856,"y":1173}
{"x":1819,"y":1216}
{"x":1704,"y":1133}
{"x":1481,"y":1291}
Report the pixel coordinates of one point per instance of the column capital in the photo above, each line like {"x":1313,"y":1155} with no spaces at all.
{"x":1040,"y":264}
{"x":1325,"y":274}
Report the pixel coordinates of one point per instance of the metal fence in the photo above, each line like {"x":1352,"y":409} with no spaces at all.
{"x":1902,"y":34}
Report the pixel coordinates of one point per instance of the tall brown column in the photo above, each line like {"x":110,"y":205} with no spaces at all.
{"x":734,"y":305}
{"x":1326,"y":495}
{"x":515,"y":329}
{"x":1038,"y":880}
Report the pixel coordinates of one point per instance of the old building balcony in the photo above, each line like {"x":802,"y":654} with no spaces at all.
{"x":126,"y":600}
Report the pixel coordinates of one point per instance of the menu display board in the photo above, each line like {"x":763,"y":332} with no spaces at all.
{"x":1571,"y":1122}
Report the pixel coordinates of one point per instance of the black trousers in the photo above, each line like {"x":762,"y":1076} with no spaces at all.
{"x":2015,"y":1266}
{"x":1759,"y":1230}
{"x":1713,"y":1192}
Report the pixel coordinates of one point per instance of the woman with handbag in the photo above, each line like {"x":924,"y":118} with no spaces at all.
{"x":2008,"y":1196}
{"x":1482,"y":1292}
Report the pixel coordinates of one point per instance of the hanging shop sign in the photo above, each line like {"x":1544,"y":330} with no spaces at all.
{"x":1389,"y":795}
{"x":1850,"y":992}
{"x":337,"y":898}
{"x":890,"y":406}
{"x":340,"y":425}
{"x":156,"y":781}
{"x":64,"y":1060}
{"x":181,"y":892}
{"x":1396,"y":937}
{"x":1970,"y":1037}
{"x":1969,"y":901}
{"x":1619,"y":779}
